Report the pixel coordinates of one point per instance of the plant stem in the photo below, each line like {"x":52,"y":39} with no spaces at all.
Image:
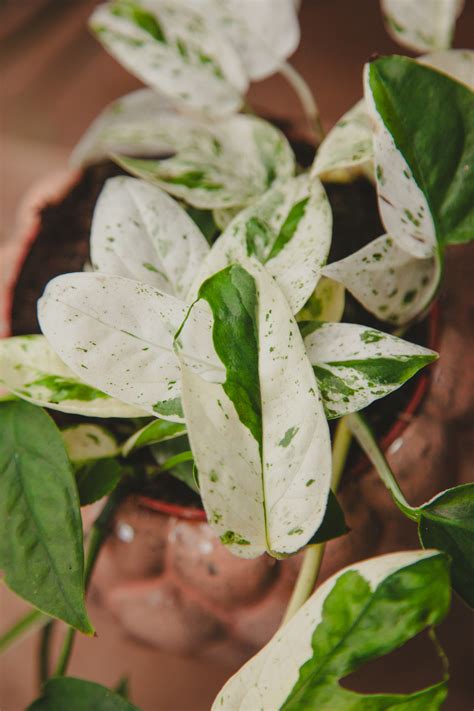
{"x":99,"y":532}
{"x":313,"y":556}
{"x":44,"y":656}
{"x":306,"y":98}
{"x":26,"y":624}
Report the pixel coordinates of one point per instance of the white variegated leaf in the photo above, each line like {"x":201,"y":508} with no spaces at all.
{"x":348,"y":143}
{"x":421,"y":25}
{"x":356,"y":365}
{"x":260,"y":440}
{"x":89,"y":442}
{"x":388,"y":281}
{"x":118,"y":335}
{"x":31,"y":370}
{"x":175,"y":51}
{"x":326,"y":303}
{"x":139,"y":232}
{"x":403,"y":206}
{"x":288,"y":229}
{"x":224,"y":216}
{"x":221,"y":164}
{"x":360,"y":613}
{"x":456,"y":63}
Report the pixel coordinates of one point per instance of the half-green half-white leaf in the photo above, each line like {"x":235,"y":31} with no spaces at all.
{"x":260,"y":440}
{"x":41,"y":548}
{"x":154,"y":432}
{"x":359,"y":614}
{"x":219,"y":164}
{"x":422,"y":25}
{"x":288,"y":230}
{"x":356,"y":365}
{"x":424,"y":158}
{"x":31,"y":370}
{"x":175,"y":51}
{"x":118,"y":334}
{"x":388,"y":281}
{"x":139,"y":232}
{"x":456,"y":63}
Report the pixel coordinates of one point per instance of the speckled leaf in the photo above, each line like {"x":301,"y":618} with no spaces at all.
{"x":31,"y":370}
{"x":421,"y":25}
{"x":175,"y":52}
{"x":219,"y":164}
{"x":362,"y":612}
{"x":348,"y":143}
{"x":456,"y":63}
{"x":41,"y":547}
{"x":356,"y":365}
{"x":118,"y":334}
{"x":86,"y":442}
{"x":152,"y":433}
{"x":78,"y":695}
{"x":260,"y":440}
{"x":387,"y":280}
{"x":447,"y":522}
{"x":139,"y":232}
{"x":424,"y":158}
{"x":288,"y":229}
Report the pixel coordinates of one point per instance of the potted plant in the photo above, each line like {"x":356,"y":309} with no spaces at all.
{"x":206,"y":334}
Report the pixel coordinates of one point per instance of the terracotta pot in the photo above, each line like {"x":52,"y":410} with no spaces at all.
{"x":170,"y":582}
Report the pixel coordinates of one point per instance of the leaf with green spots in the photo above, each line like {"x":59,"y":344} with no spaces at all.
{"x":388,"y":281}
{"x":41,"y":548}
{"x":154,"y":432}
{"x":78,"y":695}
{"x":359,"y":614}
{"x":250,"y":484}
{"x":118,"y":333}
{"x":31,"y":370}
{"x":220,"y":164}
{"x":176,"y":53}
{"x":88,"y":441}
{"x":326,"y":303}
{"x":139,"y":232}
{"x":426,"y":156}
{"x":447,"y":522}
{"x":356,"y":365}
{"x":98,"y":478}
{"x":422,"y":25}
{"x":288,"y":229}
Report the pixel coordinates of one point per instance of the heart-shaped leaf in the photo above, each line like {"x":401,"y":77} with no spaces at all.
{"x":78,"y":695}
{"x":356,"y":365}
{"x":447,"y":522}
{"x":288,"y":229}
{"x":360,"y":613}
{"x":421,"y":25}
{"x":260,"y":440}
{"x":41,"y":549}
{"x":389,"y":282}
{"x":118,"y":334}
{"x":175,"y":51}
{"x":31,"y":370}
{"x":86,"y":442}
{"x":139,"y":232}
{"x":221,"y":164}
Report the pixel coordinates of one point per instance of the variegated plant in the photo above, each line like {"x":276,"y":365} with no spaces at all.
{"x":235,"y":345}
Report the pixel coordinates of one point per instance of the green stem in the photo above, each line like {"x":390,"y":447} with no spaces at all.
{"x":313,"y":556}
{"x":368,"y":442}
{"x":44,"y":653}
{"x":99,"y":532}
{"x":25,"y":625}
{"x":306,"y":98}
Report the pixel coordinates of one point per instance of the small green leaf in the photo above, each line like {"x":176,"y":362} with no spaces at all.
{"x":78,"y":695}
{"x":334,"y":523}
{"x":97,"y":479}
{"x":41,"y":548}
{"x":447,"y":523}
{"x":154,"y":432}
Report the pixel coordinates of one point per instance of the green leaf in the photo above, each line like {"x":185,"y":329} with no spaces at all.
{"x":326,"y":303}
{"x":424,"y":158}
{"x":422,"y":25}
{"x":152,"y":433}
{"x":447,"y":523}
{"x":333,"y":524}
{"x":363,"y":612}
{"x":97,"y":479}
{"x":86,"y":442}
{"x":78,"y":695}
{"x":41,"y":547}
{"x":174,"y":456}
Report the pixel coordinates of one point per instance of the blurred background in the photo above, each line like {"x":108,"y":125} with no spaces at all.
{"x":55,"y":78}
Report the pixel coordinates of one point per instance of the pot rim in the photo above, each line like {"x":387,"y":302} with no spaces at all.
{"x":26,"y":237}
